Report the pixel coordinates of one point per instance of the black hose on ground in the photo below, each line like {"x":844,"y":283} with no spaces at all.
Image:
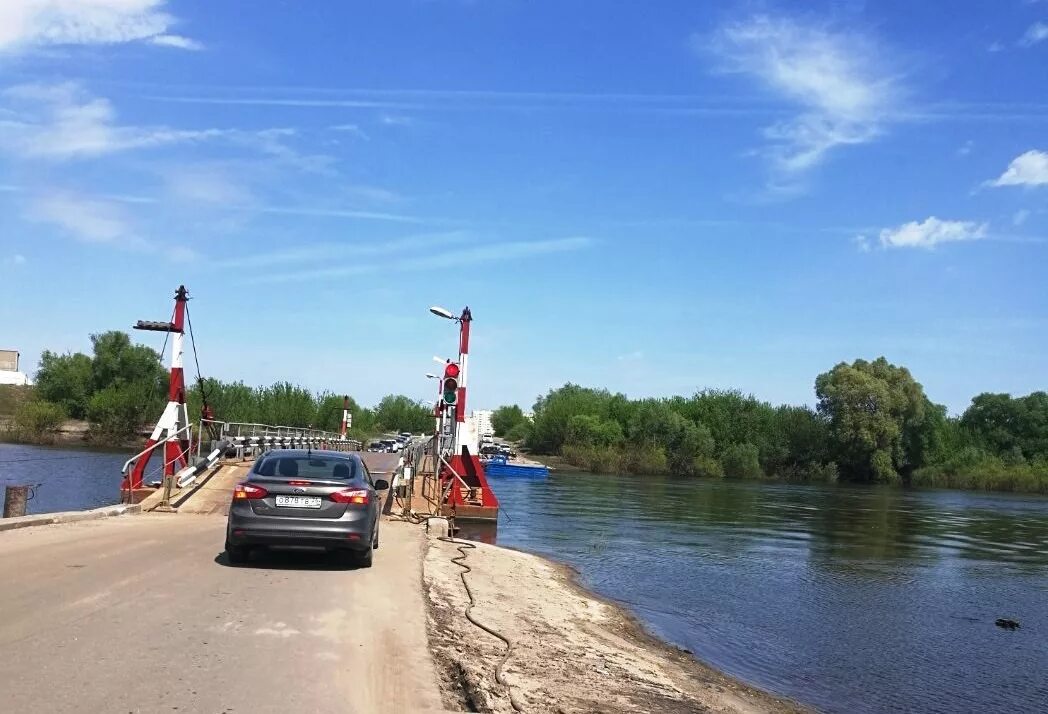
{"x":500,"y":677}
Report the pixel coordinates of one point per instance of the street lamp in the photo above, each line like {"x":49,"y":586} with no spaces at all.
{"x":464,"y":321}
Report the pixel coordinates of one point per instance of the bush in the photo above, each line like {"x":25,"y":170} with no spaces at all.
{"x":741,"y":461}
{"x":520,"y":432}
{"x":37,"y":421}
{"x":647,"y":460}
{"x":597,"y":459}
{"x":707,"y":467}
{"x":117,"y":413}
{"x":973,"y":468}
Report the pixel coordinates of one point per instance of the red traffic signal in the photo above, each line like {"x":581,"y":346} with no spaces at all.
{"x":449,"y":388}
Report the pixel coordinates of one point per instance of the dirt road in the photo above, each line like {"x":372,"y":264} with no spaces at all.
{"x":140,"y":614}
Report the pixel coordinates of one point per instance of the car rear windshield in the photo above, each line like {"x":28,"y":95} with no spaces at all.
{"x":309,"y":467}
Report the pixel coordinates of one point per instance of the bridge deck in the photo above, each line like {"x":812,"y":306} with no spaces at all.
{"x":141,"y":614}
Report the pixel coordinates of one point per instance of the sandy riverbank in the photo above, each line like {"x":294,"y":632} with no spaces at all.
{"x":573,"y":652}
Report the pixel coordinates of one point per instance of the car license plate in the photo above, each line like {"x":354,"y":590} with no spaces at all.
{"x":299,"y":501}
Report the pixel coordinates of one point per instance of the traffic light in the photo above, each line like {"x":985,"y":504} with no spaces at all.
{"x":450,"y":383}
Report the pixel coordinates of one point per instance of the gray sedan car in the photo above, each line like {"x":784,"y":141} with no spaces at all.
{"x":298,"y":497}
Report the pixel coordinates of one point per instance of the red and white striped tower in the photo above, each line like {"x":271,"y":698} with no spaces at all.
{"x":460,"y":403}
{"x":175,"y":416}
{"x":345,"y":416}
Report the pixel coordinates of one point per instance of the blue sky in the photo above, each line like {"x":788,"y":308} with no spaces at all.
{"x":652,"y":197}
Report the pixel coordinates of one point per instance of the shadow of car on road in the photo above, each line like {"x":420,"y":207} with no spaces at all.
{"x":294,"y":559}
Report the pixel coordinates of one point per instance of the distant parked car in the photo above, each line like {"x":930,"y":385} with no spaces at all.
{"x":322,"y":499}
{"x":376,"y":446}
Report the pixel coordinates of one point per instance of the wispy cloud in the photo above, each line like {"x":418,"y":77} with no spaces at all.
{"x":1028,"y":169}
{"x":483,"y":253}
{"x":1035,"y":33}
{"x":396,"y":120}
{"x":353,"y":129}
{"x":178,"y":41}
{"x":62,"y":121}
{"x":89,"y":220}
{"x":927,"y":234}
{"x":30,"y":23}
{"x":15,"y":260}
{"x":837,"y":79}
{"x":635,"y":356}
{"x":347,"y":251}
{"x":1020,"y":216}
{"x":94,"y":221}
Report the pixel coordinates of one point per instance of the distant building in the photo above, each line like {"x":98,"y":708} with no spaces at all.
{"x":9,"y":373}
{"x":482,"y":421}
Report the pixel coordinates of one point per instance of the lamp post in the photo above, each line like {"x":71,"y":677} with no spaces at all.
{"x":464,"y":321}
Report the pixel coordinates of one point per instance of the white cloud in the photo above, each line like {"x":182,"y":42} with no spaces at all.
{"x":182,"y":43}
{"x":353,"y":129}
{"x":396,"y":120}
{"x":483,"y":252}
{"x":966,"y":148}
{"x":862,"y":242}
{"x":206,"y":183}
{"x":62,"y":121}
{"x":1035,"y":33}
{"x":1029,"y":169}
{"x":97,"y":221}
{"x":1020,"y":217}
{"x":635,"y":356}
{"x":88,"y":220}
{"x":931,"y":232}
{"x":837,"y":80}
{"x":29,"y":23}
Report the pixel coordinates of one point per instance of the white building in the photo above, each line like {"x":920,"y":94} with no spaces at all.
{"x":481,"y":419}
{"x":9,"y":373}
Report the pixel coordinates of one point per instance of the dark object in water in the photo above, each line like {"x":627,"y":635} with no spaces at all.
{"x":1007,"y":624}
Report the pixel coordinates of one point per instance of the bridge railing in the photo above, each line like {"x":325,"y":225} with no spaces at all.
{"x":185,"y":433}
{"x":254,"y":438}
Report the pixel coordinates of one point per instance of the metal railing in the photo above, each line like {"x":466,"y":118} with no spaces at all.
{"x":183,"y":455}
{"x":252,"y":438}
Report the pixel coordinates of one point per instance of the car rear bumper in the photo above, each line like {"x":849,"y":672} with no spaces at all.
{"x":245,"y":527}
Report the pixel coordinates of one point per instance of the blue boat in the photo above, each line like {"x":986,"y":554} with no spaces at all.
{"x":499,"y":467}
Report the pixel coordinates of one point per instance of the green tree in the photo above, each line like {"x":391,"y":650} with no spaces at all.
{"x":505,"y":418}
{"x":36,"y":421}
{"x":65,"y":380}
{"x":878,"y":418}
{"x":117,"y":362}
{"x":741,"y":461}
{"x":400,"y":413}
{"x":590,"y":430}
{"x":118,"y":412}
{"x":1002,"y":424}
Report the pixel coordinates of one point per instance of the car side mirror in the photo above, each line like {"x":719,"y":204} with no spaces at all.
{"x":381,"y":484}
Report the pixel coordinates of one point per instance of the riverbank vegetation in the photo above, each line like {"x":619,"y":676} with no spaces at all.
{"x":121,"y":389}
{"x":872,"y":424}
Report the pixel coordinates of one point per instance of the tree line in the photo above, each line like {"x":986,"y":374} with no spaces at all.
{"x":122,"y":387}
{"x":872,"y":423}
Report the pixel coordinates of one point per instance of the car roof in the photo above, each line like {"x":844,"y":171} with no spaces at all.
{"x":306,"y":453}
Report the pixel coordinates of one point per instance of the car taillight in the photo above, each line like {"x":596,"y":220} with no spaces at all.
{"x":244,"y":491}
{"x":300,"y":483}
{"x":351,"y":495}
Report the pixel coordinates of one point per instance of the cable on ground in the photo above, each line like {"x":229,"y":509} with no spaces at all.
{"x":500,"y":676}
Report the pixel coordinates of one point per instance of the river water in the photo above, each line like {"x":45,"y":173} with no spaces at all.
{"x":64,"y":479}
{"x":847,"y":599}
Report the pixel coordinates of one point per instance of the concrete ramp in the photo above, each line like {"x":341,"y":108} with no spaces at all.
{"x":211,"y":493}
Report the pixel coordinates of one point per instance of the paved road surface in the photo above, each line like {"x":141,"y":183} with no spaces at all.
{"x":135,"y":614}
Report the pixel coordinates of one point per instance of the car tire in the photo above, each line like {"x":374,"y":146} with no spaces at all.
{"x":374,"y":543}
{"x":365,"y":557}
{"x":236,"y":554}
